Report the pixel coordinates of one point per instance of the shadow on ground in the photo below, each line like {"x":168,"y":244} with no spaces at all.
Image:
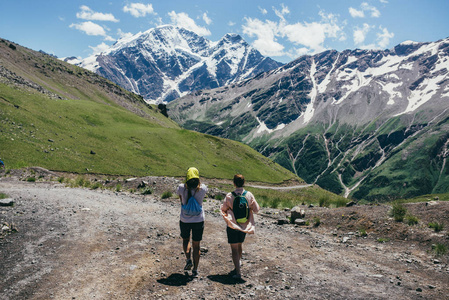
{"x":225,"y":279}
{"x":176,"y":279}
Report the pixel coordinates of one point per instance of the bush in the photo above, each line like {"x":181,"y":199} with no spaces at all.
{"x":439,"y":249}
{"x":341,"y":203}
{"x":383,"y":240}
{"x":61,"y":179}
{"x":167,"y":194}
{"x":411,"y":220}
{"x":398,"y":212}
{"x":436,"y":226}
{"x":316,"y":221}
{"x":362,"y":232}
{"x":31,"y":179}
{"x":147,"y":191}
{"x":324,"y":201}
{"x":3,"y":196}
{"x":118,"y":187}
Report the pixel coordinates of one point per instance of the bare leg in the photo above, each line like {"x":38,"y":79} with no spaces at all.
{"x":196,"y":254}
{"x":186,"y":247}
{"x":236,"y":256}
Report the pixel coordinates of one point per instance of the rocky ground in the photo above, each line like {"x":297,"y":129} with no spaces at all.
{"x":77,"y":243}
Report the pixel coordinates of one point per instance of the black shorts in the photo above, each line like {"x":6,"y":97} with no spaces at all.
{"x":235,"y":236}
{"x":196,"y":228}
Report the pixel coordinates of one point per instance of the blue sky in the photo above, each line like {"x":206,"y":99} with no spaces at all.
{"x":283,"y":30}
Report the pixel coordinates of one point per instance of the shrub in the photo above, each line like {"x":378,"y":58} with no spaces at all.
{"x":398,"y":212}
{"x":31,"y":179}
{"x":95,"y":186}
{"x":436,"y":226}
{"x":118,"y":187}
{"x":167,"y":194}
{"x":411,"y":220}
{"x":362,"y":232}
{"x":383,"y":240}
{"x":439,"y":249}
{"x":3,"y":196}
{"x":324,"y":201}
{"x":147,"y":191}
{"x":219,"y":197}
{"x":61,"y":179}
{"x":341,"y":202}
{"x":316,"y":221}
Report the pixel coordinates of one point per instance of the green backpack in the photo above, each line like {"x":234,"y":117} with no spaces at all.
{"x":240,"y":207}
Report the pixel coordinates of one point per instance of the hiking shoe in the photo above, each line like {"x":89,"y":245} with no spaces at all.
{"x":189,"y":265}
{"x":194,"y":273}
{"x":237,"y":277}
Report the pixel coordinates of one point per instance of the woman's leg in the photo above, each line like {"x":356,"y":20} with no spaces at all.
{"x":186,"y":247}
{"x":196,"y":254}
{"x":236,"y":256}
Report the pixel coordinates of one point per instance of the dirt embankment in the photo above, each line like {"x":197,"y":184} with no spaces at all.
{"x":74,"y":243}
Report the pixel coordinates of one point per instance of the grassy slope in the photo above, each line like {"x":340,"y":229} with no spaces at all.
{"x":60,"y":134}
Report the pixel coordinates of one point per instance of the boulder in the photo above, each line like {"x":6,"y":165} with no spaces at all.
{"x":300,"y":222}
{"x":297,"y":213}
{"x":7,"y":202}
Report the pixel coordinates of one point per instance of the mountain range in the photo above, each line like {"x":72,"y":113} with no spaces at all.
{"x":167,"y":62}
{"x":370,"y":124}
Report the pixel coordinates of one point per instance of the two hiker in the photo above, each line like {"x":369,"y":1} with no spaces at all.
{"x":237,"y":210}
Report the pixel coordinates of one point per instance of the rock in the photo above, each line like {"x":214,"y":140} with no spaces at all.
{"x":311,"y":205}
{"x":351,"y":203}
{"x":419,"y":289}
{"x":431,"y":203}
{"x":300,"y":222}
{"x":297,"y":213}
{"x":283,"y":221}
{"x":7,"y":202}
{"x":92,"y":152}
{"x":346,"y":239}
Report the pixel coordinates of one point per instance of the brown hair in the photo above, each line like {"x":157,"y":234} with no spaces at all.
{"x":239,"y":180}
{"x":191,"y":184}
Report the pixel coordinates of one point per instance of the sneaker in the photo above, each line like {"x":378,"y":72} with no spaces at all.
{"x":189,"y":265}
{"x":194,"y":273}
{"x":232,"y":273}
{"x":237,"y":277}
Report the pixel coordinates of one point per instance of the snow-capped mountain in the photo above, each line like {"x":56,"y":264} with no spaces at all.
{"x":339,"y":118}
{"x":167,"y":62}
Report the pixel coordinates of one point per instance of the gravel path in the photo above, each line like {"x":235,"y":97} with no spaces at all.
{"x":77,"y":243}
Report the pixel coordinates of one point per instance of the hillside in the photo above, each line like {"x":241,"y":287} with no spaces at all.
{"x":368,"y":124}
{"x":62,"y":117}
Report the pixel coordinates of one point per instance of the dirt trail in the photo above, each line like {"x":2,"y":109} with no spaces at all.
{"x":91,"y":244}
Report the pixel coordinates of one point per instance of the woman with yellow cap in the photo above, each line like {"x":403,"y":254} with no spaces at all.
{"x":191,"y":195}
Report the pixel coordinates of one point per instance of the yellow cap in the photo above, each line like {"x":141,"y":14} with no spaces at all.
{"x":192,"y":173}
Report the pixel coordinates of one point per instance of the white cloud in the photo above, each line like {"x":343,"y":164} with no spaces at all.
{"x":310,"y":37}
{"x":230,"y":23}
{"x":365,"y":7}
{"x":183,"y":20}
{"x":88,"y":14}
{"x":384,"y":1}
{"x":375,"y":13}
{"x":360,"y":34}
{"x":384,"y":37}
{"x":125,"y":35}
{"x":138,"y":10}
{"x":356,"y":13}
{"x":206,"y":19}
{"x":99,"y":48}
{"x":90,"y":28}
{"x":263,"y":10}
{"x":265,"y":33}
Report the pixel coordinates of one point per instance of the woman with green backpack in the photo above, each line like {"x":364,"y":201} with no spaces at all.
{"x":237,"y":210}
{"x":191,"y":195}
